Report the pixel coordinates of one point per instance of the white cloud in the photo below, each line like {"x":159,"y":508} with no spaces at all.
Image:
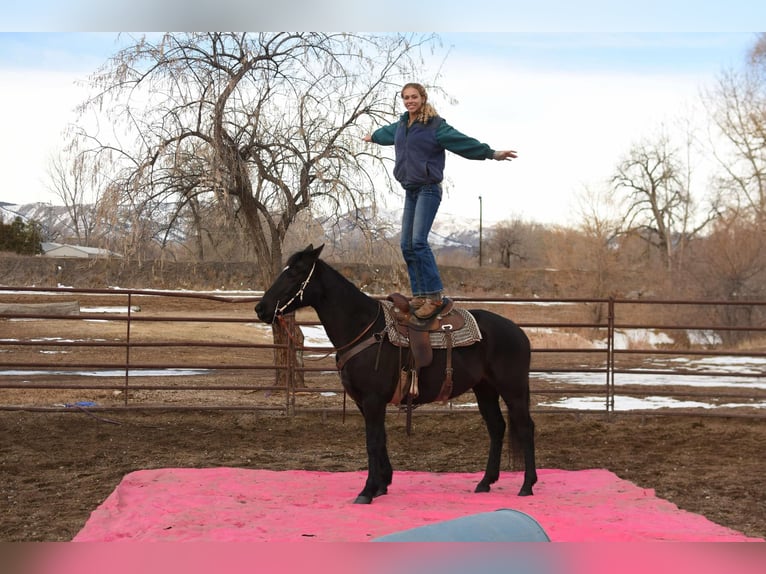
{"x":36,"y":108}
{"x":570,"y":130}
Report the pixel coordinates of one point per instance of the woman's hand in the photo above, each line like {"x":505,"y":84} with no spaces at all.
{"x":504,"y":155}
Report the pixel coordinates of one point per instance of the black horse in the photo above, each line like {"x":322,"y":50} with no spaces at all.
{"x":497,"y":366}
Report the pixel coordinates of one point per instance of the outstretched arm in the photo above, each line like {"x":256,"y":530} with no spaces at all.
{"x":468,"y":147}
{"x":382,"y":136}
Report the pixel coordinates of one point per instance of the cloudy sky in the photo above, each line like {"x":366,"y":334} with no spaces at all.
{"x":569,"y":91}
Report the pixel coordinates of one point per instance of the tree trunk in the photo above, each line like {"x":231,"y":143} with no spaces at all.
{"x":289,"y":354}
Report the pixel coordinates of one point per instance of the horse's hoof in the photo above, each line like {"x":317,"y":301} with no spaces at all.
{"x":526,"y":491}
{"x":482,"y":488}
{"x":363,"y":499}
{"x":381,"y":492}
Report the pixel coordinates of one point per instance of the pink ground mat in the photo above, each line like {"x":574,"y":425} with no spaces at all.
{"x":241,"y":505}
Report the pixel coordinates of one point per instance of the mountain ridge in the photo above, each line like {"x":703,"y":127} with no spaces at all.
{"x":448,"y":232}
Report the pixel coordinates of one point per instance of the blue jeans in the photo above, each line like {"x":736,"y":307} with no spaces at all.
{"x":420,"y":207}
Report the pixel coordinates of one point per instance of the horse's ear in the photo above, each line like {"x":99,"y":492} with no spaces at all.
{"x":311,"y":252}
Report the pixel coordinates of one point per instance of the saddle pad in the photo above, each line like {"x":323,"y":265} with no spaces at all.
{"x":463,"y":337}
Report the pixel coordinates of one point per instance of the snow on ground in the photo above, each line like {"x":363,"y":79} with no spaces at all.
{"x":741,"y":371}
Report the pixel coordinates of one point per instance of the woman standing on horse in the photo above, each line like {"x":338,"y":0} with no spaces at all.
{"x":420,"y":138}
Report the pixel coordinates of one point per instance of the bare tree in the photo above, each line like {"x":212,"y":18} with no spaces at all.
{"x":731,"y":261}
{"x":597,"y":248}
{"x":737,"y":105}
{"x":730,"y":264}
{"x":506,"y":240}
{"x":73,"y":184}
{"x":758,"y":53}
{"x":656,"y":182}
{"x":267,"y":121}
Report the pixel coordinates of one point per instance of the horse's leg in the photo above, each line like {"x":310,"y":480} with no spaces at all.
{"x":521,"y":426}
{"x":489,"y":407}
{"x":386,"y":470}
{"x":522,"y":432}
{"x":379,"y":471}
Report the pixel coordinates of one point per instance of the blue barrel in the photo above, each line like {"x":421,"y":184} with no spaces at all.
{"x":503,"y":525}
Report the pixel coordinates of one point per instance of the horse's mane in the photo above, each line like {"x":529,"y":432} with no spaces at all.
{"x":325,"y":266}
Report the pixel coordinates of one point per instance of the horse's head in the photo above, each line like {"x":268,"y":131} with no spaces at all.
{"x":287,"y":292}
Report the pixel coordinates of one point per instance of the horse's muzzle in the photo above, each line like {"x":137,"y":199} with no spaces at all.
{"x":260,"y":310}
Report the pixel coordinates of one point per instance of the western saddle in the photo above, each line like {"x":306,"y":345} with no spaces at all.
{"x":450,"y":327}
{"x":421,"y":336}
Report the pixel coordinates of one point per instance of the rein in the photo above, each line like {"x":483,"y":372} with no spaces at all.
{"x":281,"y":319}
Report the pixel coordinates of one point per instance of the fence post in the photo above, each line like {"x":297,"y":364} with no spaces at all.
{"x":290,"y":365}
{"x":610,"y":357}
{"x":127,"y":349}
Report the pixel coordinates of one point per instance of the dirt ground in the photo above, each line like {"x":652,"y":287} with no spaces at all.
{"x":56,"y":468}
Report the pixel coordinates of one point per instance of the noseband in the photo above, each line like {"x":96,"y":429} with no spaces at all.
{"x":298,"y":294}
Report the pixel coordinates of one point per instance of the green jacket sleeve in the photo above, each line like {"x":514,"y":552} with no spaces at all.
{"x":385,"y":135}
{"x":452,"y":140}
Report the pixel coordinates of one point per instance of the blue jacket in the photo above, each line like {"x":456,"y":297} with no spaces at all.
{"x":420,"y":149}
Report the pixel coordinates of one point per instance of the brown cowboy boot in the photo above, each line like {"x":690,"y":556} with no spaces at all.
{"x":429,"y":308}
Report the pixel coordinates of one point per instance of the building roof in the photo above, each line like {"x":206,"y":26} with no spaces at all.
{"x":51,"y":249}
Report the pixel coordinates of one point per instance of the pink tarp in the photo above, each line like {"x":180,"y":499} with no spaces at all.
{"x":233,"y":504}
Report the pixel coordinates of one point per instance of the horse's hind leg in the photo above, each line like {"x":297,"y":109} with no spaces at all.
{"x":489,"y":407}
{"x":522,"y":433}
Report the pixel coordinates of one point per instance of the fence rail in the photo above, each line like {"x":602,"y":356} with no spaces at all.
{"x":149,"y":349}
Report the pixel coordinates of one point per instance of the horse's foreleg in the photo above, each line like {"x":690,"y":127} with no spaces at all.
{"x":379,"y":471}
{"x":489,"y":407}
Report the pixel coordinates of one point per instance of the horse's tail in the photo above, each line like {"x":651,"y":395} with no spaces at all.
{"x":515,"y":441}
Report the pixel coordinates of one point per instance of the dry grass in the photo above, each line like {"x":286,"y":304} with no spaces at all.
{"x":754,"y":345}
{"x":556,"y":339}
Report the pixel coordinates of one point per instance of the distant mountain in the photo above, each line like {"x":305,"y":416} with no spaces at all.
{"x":47,"y":215}
{"x":449,"y":231}
{"x":453,"y":231}
{"x":56,"y":222}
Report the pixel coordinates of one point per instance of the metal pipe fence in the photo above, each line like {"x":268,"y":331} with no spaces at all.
{"x":148,"y":350}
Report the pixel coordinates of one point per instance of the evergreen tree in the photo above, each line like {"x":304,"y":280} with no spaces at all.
{"x":23,"y":238}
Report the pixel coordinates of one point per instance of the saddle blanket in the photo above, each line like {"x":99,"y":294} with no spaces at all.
{"x":463,"y":337}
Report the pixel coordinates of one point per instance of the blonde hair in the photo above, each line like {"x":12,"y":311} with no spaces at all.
{"x":427,"y":111}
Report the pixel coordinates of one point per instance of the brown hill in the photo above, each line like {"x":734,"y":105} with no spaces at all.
{"x":20,"y":271}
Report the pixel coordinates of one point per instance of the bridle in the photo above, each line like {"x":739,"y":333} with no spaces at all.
{"x":278,"y":315}
{"x":298,"y":294}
